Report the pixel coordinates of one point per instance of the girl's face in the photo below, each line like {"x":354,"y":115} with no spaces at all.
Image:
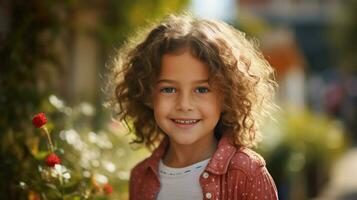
{"x":185,"y":106}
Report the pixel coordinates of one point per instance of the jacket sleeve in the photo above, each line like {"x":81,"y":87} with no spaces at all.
{"x":134,"y":182}
{"x":131,"y":185}
{"x":260,"y":185}
{"x":250,"y":179}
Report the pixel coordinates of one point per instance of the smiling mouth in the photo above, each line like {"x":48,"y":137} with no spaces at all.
{"x":186,"y":121}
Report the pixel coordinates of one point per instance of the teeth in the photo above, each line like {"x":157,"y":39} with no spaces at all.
{"x":185,"y":121}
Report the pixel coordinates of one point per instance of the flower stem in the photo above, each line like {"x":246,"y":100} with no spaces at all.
{"x":45,"y":130}
{"x":61,"y":185}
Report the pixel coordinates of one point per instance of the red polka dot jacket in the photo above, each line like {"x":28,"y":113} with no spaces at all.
{"x":231,"y":174}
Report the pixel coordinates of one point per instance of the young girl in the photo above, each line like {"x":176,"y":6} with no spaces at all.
{"x":199,"y":88}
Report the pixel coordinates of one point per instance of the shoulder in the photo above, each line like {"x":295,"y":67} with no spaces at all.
{"x":139,"y":169}
{"x":137,"y":177}
{"x":151,"y":162}
{"x":247,"y":160}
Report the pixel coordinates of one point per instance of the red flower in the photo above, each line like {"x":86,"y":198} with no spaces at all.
{"x":52,"y":160}
{"x":39,"y":120}
{"x":108,"y":189}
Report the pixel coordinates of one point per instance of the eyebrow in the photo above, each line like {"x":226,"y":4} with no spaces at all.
{"x":173,"y":81}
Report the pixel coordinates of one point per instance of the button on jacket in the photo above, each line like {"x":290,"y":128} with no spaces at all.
{"x":231,"y":174}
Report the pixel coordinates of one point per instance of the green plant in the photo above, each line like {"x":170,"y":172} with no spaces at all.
{"x":305,"y":145}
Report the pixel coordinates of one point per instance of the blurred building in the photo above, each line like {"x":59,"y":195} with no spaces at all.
{"x":282,"y":52}
{"x":297,"y":45}
{"x":307,"y":18}
{"x":317,"y":78}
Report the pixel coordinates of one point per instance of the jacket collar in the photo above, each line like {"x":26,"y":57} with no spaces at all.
{"x":222,"y":157}
{"x":217,"y":165}
{"x":157,"y":154}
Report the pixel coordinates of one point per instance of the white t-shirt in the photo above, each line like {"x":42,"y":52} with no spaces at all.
{"x":181,"y":183}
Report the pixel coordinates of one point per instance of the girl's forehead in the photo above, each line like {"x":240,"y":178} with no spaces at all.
{"x":183,"y":65}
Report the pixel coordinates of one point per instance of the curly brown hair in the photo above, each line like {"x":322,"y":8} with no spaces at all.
{"x":236,"y":67}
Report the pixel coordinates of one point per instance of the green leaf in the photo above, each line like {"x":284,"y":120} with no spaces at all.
{"x":41,"y":155}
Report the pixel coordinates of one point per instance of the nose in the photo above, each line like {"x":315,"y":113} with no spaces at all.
{"x":184,"y":102}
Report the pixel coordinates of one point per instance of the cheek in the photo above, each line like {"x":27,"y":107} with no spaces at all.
{"x":211,"y":107}
{"x":161,"y":105}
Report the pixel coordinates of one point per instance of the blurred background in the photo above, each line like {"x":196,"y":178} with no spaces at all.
{"x":54,"y":56}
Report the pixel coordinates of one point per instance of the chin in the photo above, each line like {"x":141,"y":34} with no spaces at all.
{"x":183,"y":141}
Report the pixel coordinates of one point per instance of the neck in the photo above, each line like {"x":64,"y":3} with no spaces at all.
{"x":179,"y":155}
